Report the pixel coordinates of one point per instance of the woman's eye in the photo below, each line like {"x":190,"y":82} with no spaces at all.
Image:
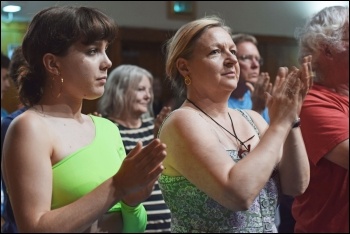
{"x":92,"y":51}
{"x":215,"y":52}
{"x":234,"y":52}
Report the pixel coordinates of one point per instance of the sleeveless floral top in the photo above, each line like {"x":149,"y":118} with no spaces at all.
{"x":194,"y":211}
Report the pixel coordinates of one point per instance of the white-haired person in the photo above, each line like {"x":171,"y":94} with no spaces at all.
{"x":324,"y":207}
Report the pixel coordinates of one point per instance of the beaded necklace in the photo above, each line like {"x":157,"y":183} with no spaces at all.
{"x":234,"y":134}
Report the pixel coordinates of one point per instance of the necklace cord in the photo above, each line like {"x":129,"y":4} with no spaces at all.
{"x":232,"y":134}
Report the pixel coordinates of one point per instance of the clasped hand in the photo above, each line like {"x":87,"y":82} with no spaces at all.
{"x":139,"y":171}
{"x":258,"y":91}
{"x":289,"y":91}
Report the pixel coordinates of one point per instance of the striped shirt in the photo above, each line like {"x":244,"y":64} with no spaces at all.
{"x":158,"y":214}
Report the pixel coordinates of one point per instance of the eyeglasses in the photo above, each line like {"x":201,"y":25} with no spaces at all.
{"x":249,"y":58}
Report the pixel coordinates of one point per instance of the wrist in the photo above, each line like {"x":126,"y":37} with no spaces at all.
{"x":296,"y":123}
{"x":129,"y":207}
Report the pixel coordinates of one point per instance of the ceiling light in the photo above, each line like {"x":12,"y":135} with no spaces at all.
{"x":11,"y":8}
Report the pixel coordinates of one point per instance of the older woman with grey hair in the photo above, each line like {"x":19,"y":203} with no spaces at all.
{"x":127,"y":102}
{"x":324,"y":207}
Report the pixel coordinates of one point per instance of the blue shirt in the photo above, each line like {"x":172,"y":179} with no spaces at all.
{"x":246,"y":103}
{"x":3,"y":113}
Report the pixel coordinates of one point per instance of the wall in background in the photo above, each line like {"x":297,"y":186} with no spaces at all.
{"x":146,"y":25}
{"x":274,"y":18}
{"x":12,"y":35}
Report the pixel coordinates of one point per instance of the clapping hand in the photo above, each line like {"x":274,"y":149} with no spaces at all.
{"x":284,"y":103}
{"x":160,"y":118}
{"x":294,"y":84}
{"x":258,"y":90}
{"x":306,"y":75}
{"x":95,"y":113}
{"x":139,"y":171}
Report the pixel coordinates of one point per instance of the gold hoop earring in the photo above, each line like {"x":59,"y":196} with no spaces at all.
{"x":53,"y":80}
{"x":59,"y":94}
{"x":187,"y":80}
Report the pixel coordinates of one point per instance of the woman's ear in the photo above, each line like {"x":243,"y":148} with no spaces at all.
{"x":182,"y":67}
{"x":50,"y":63}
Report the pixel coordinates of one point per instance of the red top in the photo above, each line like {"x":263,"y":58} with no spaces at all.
{"x":324,"y":207}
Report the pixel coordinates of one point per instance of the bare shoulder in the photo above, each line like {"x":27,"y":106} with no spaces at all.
{"x":185,"y":123}
{"x":28,"y":122}
{"x":184,"y":113}
{"x":256,"y":117}
{"x":27,"y":140}
{"x":184,"y":119}
{"x":27,"y":130}
{"x":258,"y":120}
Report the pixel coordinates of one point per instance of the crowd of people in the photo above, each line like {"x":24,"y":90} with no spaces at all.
{"x":239,"y":154}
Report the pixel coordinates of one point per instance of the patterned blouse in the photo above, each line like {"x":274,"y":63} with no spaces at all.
{"x":194,"y":211}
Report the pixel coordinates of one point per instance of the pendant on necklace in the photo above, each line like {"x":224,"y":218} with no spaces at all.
{"x":242,"y":151}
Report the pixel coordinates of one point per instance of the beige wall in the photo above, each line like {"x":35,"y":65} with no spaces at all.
{"x":12,"y":34}
{"x":275,"y":18}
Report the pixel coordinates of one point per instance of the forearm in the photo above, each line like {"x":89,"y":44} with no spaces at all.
{"x":294,"y":167}
{"x":260,"y":163}
{"x":77,"y":216}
